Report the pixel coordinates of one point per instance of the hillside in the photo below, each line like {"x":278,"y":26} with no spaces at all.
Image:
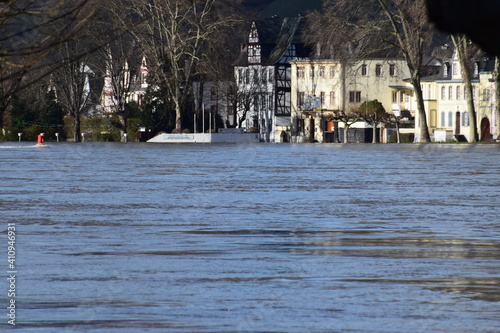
{"x":282,"y":8}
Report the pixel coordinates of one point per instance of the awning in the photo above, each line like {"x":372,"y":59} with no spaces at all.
{"x":401,"y":87}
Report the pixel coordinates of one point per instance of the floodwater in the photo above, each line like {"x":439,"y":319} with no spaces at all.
{"x":125,"y":238}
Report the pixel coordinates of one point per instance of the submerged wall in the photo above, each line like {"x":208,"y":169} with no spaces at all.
{"x":206,"y":138}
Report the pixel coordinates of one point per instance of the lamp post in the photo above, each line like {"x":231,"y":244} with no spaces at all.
{"x":19,"y":135}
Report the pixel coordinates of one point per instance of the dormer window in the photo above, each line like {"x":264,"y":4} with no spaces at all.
{"x":476,"y":69}
{"x":446,"y":69}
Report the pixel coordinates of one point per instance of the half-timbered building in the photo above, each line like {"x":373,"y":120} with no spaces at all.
{"x":263,"y":76}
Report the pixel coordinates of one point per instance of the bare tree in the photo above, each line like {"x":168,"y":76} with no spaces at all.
{"x":29,"y":32}
{"x":245,"y":100}
{"x":175,"y":35}
{"x":72,"y":85}
{"x":399,"y":24}
{"x":467,"y":52}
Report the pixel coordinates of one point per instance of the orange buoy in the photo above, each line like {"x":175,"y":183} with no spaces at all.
{"x":40,"y":139}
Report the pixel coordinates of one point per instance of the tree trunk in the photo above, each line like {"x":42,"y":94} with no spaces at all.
{"x":123,"y":126}
{"x":398,"y":133}
{"x":422,"y":118}
{"x":76,"y":129}
{"x":346,"y":133}
{"x":472,"y":110}
{"x":336,"y":138}
{"x":461,"y":45}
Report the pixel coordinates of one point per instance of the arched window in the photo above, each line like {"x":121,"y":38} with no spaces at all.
{"x":443,"y":93}
{"x":443,"y":119}
{"x":450,"y":119}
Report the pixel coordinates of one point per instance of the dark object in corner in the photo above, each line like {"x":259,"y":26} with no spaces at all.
{"x":479,"y":19}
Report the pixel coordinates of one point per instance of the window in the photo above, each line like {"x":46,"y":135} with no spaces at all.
{"x":247,"y":76}
{"x":392,"y":69}
{"x":300,"y":72}
{"x":271,"y":76}
{"x":323,"y":98}
{"x":486,"y":95}
{"x":443,"y":93}
{"x":213,"y":93}
{"x":332,"y":98}
{"x":442,"y":119}
{"x":455,"y":69}
{"x":378,"y":70}
{"x":354,"y":96}
{"x":322,"y":72}
{"x":394,"y":97}
{"x":401,"y":97}
{"x":263,"y":102}
{"x":450,"y":92}
{"x":300,"y":125}
{"x":465,"y":119}
{"x":450,"y":119}
{"x":263,"y":75}
{"x":240,"y":75}
{"x":255,"y":76}
{"x":476,"y":69}
{"x":363,"y":70}
{"x":458,"y":92}
{"x":312,"y":72}
{"x":445,"y":70}
{"x":301,"y":99}
{"x":332,"y":72}
{"x":474,"y":92}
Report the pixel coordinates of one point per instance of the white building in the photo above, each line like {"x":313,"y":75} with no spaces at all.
{"x":263,"y":76}
{"x":447,"y":112}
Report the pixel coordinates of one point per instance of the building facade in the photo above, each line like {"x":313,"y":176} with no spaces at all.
{"x":447,"y":112}
{"x":322,"y":87}
{"x":263,"y":76}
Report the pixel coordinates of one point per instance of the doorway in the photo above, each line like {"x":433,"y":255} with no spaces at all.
{"x":457,"y":123}
{"x":485,"y":130}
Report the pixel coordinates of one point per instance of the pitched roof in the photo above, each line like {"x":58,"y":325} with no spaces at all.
{"x":275,"y":36}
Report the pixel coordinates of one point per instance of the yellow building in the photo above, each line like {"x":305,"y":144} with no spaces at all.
{"x":319,"y":87}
